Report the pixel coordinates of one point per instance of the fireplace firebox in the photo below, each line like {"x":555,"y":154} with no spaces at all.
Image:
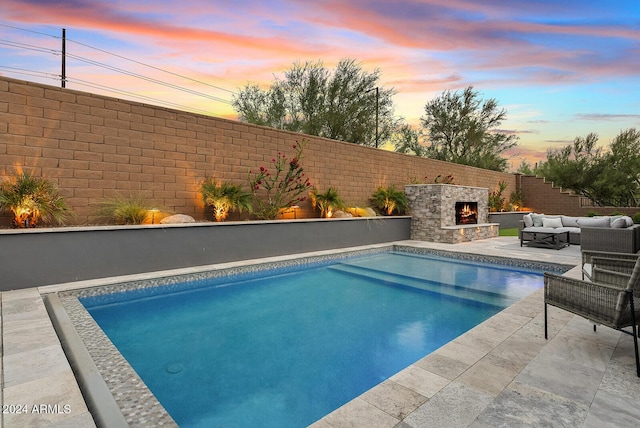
{"x":466,"y":213}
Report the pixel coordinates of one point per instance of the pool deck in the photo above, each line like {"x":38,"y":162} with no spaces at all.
{"x":501,"y":373}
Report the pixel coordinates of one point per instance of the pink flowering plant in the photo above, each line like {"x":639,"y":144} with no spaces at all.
{"x":280,"y":185}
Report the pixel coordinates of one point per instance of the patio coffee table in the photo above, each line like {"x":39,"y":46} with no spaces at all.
{"x":555,"y":240}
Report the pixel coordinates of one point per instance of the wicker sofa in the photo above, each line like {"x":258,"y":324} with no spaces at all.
{"x":604,"y":233}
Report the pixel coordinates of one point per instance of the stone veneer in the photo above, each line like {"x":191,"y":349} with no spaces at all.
{"x":432,"y":208}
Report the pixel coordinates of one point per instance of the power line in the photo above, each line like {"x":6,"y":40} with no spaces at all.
{"x":132,"y":94}
{"x":26,"y":72}
{"x":116,"y":69}
{"x":28,"y":47}
{"x":153,"y":67}
{"x":148,"y":79}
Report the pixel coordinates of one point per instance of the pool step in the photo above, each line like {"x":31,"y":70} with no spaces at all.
{"x":425,"y":285}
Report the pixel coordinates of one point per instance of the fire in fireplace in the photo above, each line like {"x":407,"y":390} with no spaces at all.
{"x":466,"y":213}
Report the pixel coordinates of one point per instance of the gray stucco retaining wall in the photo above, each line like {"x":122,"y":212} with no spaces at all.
{"x":36,"y":257}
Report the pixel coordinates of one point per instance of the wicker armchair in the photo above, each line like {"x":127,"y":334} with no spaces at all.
{"x":608,"y":300}
{"x":590,"y":258}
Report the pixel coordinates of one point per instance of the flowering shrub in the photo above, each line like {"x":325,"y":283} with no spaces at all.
{"x":496,"y":200}
{"x":279,"y":186}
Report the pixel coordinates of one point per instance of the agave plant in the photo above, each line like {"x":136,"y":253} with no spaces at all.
{"x":121,"y":209}
{"x":223,"y":197}
{"x":32,"y":200}
{"x":390,"y":200}
{"x":326,"y":202}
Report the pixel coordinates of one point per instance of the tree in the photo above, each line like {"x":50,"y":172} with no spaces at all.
{"x":407,"y":140}
{"x":462,"y":128}
{"x":525,"y":168}
{"x":608,"y":178}
{"x":312,"y":100}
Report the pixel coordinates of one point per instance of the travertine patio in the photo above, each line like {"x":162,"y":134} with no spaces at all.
{"x":501,"y":373}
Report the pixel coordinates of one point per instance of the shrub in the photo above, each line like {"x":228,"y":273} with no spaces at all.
{"x":390,"y":200}
{"x":132,"y":209}
{"x":223,"y":197}
{"x":279,"y":186}
{"x":326,"y":202}
{"x":636,"y":218}
{"x":496,"y":200}
{"x":31,"y":200}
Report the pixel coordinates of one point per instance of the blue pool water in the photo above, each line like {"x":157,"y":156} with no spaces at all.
{"x":287,"y":349}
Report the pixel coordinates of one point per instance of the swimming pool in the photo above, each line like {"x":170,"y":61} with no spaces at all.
{"x":361,"y":332}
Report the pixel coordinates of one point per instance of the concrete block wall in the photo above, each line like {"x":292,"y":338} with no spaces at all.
{"x":93,"y":147}
{"x":543,"y":197}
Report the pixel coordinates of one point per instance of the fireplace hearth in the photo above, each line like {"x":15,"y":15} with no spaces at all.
{"x":466,"y":213}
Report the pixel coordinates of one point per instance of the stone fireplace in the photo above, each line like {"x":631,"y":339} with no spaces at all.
{"x":449,"y":213}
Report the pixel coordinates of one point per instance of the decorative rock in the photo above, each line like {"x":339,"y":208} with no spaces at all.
{"x":362,"y":212}
{"x":341,"y":214}
{"x":178,"y":218}
{"x":370,"y":212}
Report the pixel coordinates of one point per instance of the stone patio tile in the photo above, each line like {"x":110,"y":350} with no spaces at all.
{"x":84,"y":420}
{"x":58,"y":389}
{"x":322,"y":423}
{"x":443,"y":365}
{"x":530,"y":306}
{"x":23,"y":309}
{"x":589,"y":353}
{"x":613,"y":410}
{"x":490,"y":375}
{"x":394,"y":399}
{"x":456,"y":405}
{"x":421,"y":381}
{"x":524,"y":406}
{"x":520,"y":348}
{"x":358,"y":413}
{"x":507,"y":323}
{"x":21,"y":336}
{"x":561,"y":377}
{"x":34,"y":364}
{"x":620,"y":377}
{"x":582,"y":328}
{"x":461,"y":352}
{"x":482,"y":338}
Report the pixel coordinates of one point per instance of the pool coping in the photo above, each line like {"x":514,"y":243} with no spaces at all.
{"x":136,"y":402}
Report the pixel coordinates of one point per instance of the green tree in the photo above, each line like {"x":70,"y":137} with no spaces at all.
{"x":525,"y":168}
{"x":608,"y":178}
{"x":462,"y":128}
{"x":407,"y":140}
{"x":340,"y":105}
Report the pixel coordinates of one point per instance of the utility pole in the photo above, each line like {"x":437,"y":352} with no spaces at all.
{"x":377,"y":110}
{"x":377,"y":107}
{"x":64,"y":58}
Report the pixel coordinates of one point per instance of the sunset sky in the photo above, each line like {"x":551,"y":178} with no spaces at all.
{"x":561,"y":69}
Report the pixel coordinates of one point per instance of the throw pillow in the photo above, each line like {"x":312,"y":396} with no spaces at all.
{"x":528,"y":221}
{"x":551,"y":222}
{"x":569,"y":221}
{"x":593,"y":221}
{"x":537,"y":219}
{"x":621,"y":221}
